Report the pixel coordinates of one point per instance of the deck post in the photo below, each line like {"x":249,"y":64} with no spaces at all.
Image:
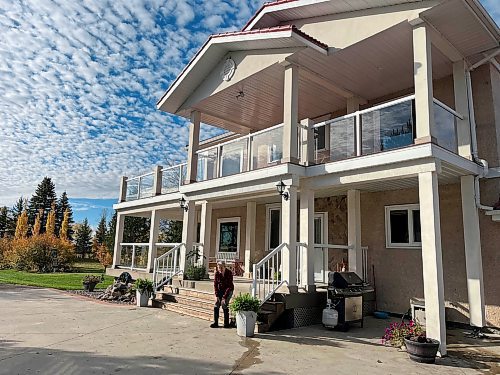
{"x":154,"y":230}
{"x":464,"y":140}
{"x":250,"y":236}
{"x":188,"y":233}
{"x":123,"y":189}
{"x":291,"y":114}
{"x":289,"y":237}
{"x":307,"y":238}
{"x":432,"y":260}
{"x":422,"y":74}
{"x":206,"y":230}
{"x":157,"y":180}
{"x":473,"y":259}
{"x":117,"y":254}
{"x":355,"y":257}
{"x":307,"y":142}
{"x":194,"y":141}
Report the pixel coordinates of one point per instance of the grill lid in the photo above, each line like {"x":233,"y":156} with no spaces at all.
{"x":344,"y":280}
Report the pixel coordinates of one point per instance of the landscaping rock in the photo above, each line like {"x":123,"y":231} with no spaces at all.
{"x":119,"y":292}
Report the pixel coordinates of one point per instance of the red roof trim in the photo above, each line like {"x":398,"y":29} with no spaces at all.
{"x":291,"y":28}
{"x":267,"y":5}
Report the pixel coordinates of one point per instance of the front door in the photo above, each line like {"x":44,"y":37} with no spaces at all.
{"x":320,"y":253}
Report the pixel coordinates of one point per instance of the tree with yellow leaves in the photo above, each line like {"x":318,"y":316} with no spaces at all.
{"x":63,"y":233}
{"x":22,"y":225}
{"x":50,"y":227}
{"x":37,"y":227}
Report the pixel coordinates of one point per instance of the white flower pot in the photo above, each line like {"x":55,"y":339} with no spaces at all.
{"x":245,"y":323}
{"x":142,"y":299}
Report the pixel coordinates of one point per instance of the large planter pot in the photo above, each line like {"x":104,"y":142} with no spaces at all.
{"x":245,"y":323}
{"x":142,"y":299}
{"x":423,"y":352}
{"x":89,"y":287}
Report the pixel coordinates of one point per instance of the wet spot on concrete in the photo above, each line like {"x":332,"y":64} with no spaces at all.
{"x":249,"y":358}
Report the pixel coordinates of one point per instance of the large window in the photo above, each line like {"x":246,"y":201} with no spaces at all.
{"x":228,"y":235}
{"x":273,"y":226}
{"x":402,"y":226}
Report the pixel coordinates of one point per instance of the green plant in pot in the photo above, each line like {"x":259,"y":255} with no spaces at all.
{"x":245,"y":307}
{"x":194,"y":270}
{"x":143,"y":290}
{"x":90,"y":281}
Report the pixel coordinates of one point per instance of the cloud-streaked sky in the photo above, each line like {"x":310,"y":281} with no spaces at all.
{"x":79,"y":81}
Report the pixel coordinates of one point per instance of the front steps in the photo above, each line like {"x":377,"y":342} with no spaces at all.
{"x":200,"y":304}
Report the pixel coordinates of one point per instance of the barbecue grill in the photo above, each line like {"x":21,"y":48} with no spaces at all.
{"x":345,"y":290}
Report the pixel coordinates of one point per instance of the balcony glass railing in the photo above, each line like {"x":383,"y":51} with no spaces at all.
{"x":445,"y":120}
{"x":140,"y":187}
{"x":134,"y":255}
{"x":172,"y":178}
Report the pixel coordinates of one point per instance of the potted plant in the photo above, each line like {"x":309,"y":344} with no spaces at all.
{"x":421,"y":349}
{"x":246,"y":307}
{"x":143,"y":290}
{"x":90,"y":281}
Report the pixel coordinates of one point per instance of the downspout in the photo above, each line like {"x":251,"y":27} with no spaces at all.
{"x":472,"y":124}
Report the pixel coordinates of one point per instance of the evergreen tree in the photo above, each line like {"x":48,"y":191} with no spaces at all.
{"x":110,"y":237}
{"x":170,"y":231}
{"x":83,"y":239}
{"x":63,"y":206}
{"x":102,"y":230}
{"x":14,"y":214}
{"x":4,"y":221}
{"x":45,"y":195}
{"x":136,"y":229}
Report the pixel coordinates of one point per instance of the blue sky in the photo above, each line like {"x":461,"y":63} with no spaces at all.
{"x":78,"y":88}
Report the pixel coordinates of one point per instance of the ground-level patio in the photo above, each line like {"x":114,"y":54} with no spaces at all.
{"x":45,"y":331}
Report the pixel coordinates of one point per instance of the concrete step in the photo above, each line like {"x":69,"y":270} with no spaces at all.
{"x":278,"y":307}
{"x":187,"y":310}
{"x":186,"y":300}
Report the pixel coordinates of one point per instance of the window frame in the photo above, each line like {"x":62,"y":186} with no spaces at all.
{"x":412,"y":244}
{"x":217,"y":235}
{"x":327,"y":139}
{"x":269,"y":208}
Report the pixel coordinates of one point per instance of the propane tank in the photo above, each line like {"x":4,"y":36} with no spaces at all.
{"x":330,"y":315}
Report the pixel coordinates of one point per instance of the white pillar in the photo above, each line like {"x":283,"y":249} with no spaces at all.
{"x":289,"y":236}
{"x":307,"y":142}
{"x":290,"y":114}
{"x":157,"y":180}
{"x":473,"y":259}
{"x":422,"y":70}
{"x":188,"y":233}
{"x":120,"y":222}
{"x":250,"y":235}
{"x":153,"y":238}
{"x":123,"y":189}
{"x":307,"y":237}
{"x":462,"y":106}
{"x":432,"y":261}
{"x":206,"y":230}
{"x":194,"y":140}
{"x":355,"y":259}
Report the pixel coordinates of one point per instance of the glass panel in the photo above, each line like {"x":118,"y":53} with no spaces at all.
{"x":146,"y":186}
{"x":141,"y":257}
{"x":342,"y":139}
{"x":445,"y":128}
{"x":318,"y":238}
{"x":126,"y":256}
{"x":228,"y":238}
{"x":387,"y":128}
{"x":417,"y":233}
{"x":399,"y":226}
{"x":170,"y":180}
{"x":160,"y":250}
{"x":320,"y":138}
{"x":274,"y":230}
{"x":183,"y":173}
{"x":267,"y":148}
{"x":234,"y":156}
{"x":207,"y":165}
{"x":132,"y":189}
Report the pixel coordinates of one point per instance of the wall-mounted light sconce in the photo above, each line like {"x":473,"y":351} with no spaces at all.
{"x":183,"y":204}
{"x":241,"y":95}
{"x":280,"y":186}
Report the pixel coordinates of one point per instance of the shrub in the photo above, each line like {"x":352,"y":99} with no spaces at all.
{"x":396,"y":332}
{"x":5,"y":250}
{"x":92,"y":279}
{"x":194,"y":272}
{"x":245,"y":302}
{"x":144,"y":286}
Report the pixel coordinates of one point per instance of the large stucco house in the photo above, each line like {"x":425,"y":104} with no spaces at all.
{"x":382,"y":120}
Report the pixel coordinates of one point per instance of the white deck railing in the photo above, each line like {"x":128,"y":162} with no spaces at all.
{"x":364,"y":259}
{"x":167,"y":265}
{"x":267,"y":275}
{"x":134,"y":255}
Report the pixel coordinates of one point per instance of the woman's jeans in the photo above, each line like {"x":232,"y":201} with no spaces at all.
{"x":225,"y":308}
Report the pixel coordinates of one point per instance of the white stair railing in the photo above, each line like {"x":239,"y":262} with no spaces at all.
{"x":267,"y":274}
{"x":167,"y":265}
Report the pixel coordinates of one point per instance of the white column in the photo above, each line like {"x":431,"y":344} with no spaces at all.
{"x":194,"y":140}
{"x":250,"y":235}
{"x":307,"y":237}
{"x":123,"y":189}
{"x":157,"y":179}
{"x":422,"y":70}
{"x":289,"y":236}
{"x":188,"y":233}
{"x":206,"y":230}
{"x":462,"y":106}
{"x":120,"y":222}
{"x":290,"y":114}
{"x":153,"y":238}
{"x":355,"y":259}
{"x":307,"y":141}
{"x":432,"y":261}
{"x":473,"y":259}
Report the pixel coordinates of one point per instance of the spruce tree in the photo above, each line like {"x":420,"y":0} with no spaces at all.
{"x":110,"y":237}
{"x":63,"y":206}
{"x":136,"y":229}
{"x":45,"y":195}
{"x":83,"y":239}
{"x":102,"y":229}
{"x":4,"y":220}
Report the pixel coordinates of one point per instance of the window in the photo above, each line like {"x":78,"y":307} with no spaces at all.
{"x":402,"y":226}
{"x":273,"y":226}
{"x":228,"y":235}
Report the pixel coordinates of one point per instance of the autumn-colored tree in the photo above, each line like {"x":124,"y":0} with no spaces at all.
{"x":50,"y":227}
{"x":22,"y":225}
{"x":63,"y":233}
{"x":37,"y":226}
{"x":104,"y":256}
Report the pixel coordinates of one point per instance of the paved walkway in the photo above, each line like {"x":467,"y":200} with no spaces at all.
{"x":44,"y":331}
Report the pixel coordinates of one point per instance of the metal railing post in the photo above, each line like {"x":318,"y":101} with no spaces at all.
{"x":359,"y":148}
{"x":254,"y":282}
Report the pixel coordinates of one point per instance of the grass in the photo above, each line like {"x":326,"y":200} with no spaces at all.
{"x":57,"y":280}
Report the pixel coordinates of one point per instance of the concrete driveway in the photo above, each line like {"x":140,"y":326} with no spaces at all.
{"x":44,"y":331}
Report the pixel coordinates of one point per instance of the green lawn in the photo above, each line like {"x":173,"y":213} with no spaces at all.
{"x":57,"y":280}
